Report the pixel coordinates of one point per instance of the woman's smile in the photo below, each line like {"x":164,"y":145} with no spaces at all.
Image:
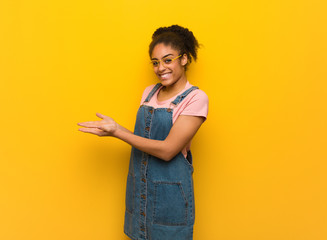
{"x":165,"y":76}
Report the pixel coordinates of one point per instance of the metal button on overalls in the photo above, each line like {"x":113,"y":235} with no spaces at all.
{"x":159,"y":194}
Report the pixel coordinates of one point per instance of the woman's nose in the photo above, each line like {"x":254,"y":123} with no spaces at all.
{"x":161,"y":66}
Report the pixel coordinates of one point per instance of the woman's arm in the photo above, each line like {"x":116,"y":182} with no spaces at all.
{"x":180,"y":134}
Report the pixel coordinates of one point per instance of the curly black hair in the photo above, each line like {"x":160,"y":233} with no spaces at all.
{"x":177,"y":37}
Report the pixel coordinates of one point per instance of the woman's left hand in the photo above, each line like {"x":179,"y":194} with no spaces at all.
{"x":105,"y":127}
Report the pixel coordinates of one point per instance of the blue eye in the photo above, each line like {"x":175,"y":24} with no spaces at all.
{"x":155,"y":63}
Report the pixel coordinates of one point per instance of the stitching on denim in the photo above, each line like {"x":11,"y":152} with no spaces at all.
{"x":140,"y":220}
{"x":131,"y":167}
{"x":153,"y":91}
{"x":132,"y":238}
{"x":150,"y":126}
{"x":179,"y":184}
{"x":146,"y":200}
{"x":191,"y":194}
{"x":180,"y":97}
{"x":186,"y":161}
{"x":143,"y":169}
{"x":131,"y":178}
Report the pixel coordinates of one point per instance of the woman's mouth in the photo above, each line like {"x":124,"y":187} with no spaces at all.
{"x":164,"y":76}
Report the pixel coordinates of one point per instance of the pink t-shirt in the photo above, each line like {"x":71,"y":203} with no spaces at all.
{"x":194,"y":104}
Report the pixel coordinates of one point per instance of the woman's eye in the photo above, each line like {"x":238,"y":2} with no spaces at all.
{"x":168,"y":60}
{"x":155,"y":63}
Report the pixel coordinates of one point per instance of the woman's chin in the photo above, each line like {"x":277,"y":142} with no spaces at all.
{"x":164,"y":82}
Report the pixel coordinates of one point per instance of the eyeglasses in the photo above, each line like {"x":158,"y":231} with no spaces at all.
{"x":165,"y":61}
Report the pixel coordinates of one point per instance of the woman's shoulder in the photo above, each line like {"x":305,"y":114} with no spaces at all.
{"x":149,"y":88}
{"x":146,"y":92}
{"x":195,"y":104}
{"x":198,"y":94}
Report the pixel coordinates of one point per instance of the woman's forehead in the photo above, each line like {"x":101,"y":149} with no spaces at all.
{"x":161,"y":50}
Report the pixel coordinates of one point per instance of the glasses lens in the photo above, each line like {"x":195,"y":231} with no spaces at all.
{"x":167,"y":61}
{"x":164,"y":61}
{"x":155,"y":63}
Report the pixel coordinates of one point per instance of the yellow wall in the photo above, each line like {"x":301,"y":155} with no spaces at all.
{"x":260,"y":159}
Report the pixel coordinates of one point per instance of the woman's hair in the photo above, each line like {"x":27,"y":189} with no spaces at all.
{"x":179,"y":38}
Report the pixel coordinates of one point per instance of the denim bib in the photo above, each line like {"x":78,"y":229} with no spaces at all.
{"x":159,"y":194}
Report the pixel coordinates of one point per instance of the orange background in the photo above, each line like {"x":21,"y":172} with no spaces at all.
{"x":260,"y":158}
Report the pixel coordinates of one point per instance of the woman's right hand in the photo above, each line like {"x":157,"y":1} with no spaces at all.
{"x":105,"y":127}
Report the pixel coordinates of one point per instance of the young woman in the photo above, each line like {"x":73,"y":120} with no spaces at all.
{"x":159,"y":193}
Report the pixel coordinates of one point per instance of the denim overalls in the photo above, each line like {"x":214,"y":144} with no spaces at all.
{"x":159,"y":194}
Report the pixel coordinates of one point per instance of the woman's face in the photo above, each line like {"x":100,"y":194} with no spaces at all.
{"x":171,"y":67}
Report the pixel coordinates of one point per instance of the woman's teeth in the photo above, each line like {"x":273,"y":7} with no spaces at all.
{"x":165,"y":76}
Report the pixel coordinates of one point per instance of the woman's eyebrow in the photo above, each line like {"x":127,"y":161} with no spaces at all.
{"x":162,"y":57}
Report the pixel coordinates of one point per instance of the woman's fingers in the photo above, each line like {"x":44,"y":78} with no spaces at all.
{"x":90,"y":124}
{"x":103,"y":127}
{"x":101,"y":116}
{"x":95,"y":131}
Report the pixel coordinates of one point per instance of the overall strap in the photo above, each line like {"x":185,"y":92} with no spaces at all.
{"x":180,"y":97}
{"x":153,"y":91}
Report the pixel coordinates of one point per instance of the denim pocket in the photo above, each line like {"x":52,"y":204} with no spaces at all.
{"x":170,"y":204}
{"x":188,"y":160}
{"x":130,"y":192}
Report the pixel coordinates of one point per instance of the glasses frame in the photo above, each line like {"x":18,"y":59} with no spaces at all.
{"x":162,"y":61}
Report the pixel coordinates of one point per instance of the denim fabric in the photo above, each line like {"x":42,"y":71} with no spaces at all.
{"x":159,"y":194}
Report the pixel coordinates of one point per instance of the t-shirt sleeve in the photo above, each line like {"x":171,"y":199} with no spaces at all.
{"x":197,"y":105}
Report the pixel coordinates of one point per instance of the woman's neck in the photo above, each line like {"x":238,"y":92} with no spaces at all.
{"x":168,"y":92}
{"x":176,"y":87}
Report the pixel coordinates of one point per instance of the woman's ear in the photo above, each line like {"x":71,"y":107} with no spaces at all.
{"x":184,"y":59}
